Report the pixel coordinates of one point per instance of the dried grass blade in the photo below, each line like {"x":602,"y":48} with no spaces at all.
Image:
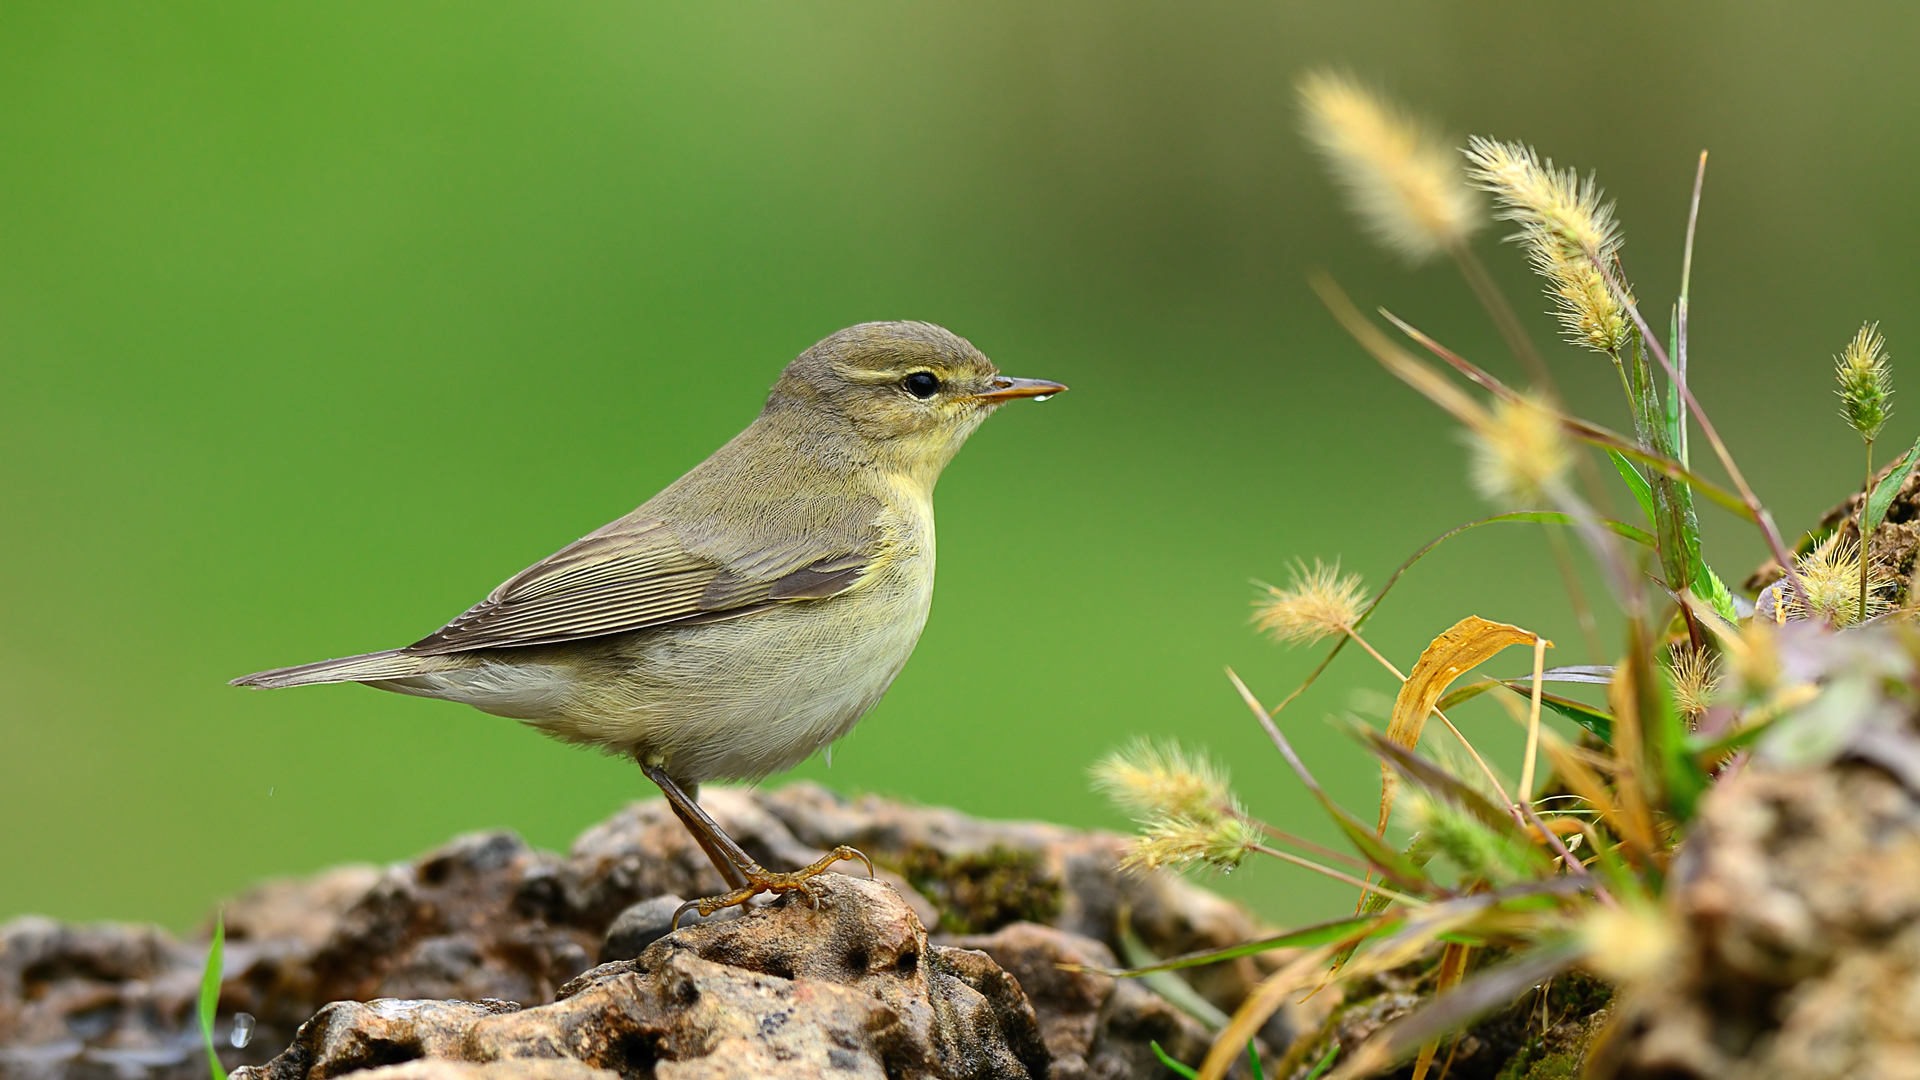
{"x":1463,"y":646}
{"x":1259,"y":1006}
{"x":1456,"y":1009}
{"x":1453,"y":967}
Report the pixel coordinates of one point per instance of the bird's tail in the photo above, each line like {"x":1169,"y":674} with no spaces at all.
{"x":367,"y":667}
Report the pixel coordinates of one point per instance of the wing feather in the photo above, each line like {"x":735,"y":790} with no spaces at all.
{"x":637,"y":573}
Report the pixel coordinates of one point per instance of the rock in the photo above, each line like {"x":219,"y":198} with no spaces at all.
{"x":1095,"y":1026}
{"x":487,"y":917}
{"x":1799,"y":902}
{"x":647,"y":922}
{"x":849,"y":987}
{"x":507,"y":1069}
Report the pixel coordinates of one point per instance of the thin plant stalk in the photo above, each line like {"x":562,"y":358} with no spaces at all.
{"x":1302,"y":842}
{"x":1485,"y":769}
{"x":1504,"y":318}
{"x":1866,"y":542}
{"x":1396,"y":897}
{"x":1680,"y":317}
{"x":1525,"y":794}
{"x":1570,"y":577}
{"x":1768,"y":530}
{"x":1374,"y":605}
{"x":1508,"y":323}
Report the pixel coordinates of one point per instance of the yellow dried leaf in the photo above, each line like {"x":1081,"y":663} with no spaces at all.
{"x":1465,"y":645}
{"x":1453,"y":967}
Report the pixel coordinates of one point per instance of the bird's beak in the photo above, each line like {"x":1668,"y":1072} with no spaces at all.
{"x":1006,"y":389}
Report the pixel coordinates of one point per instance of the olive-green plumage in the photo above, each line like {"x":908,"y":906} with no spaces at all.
{"x":750,"y":613}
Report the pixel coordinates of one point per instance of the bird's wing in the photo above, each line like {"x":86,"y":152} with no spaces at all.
{"x":640,"y":572}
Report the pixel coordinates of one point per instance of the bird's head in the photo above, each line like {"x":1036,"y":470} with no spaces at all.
{"x":907,"y":393}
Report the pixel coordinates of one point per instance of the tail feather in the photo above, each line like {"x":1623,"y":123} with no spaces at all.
{"x":367,"y":667}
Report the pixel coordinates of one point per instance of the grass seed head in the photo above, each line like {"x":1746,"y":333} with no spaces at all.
{"x":1629,"y":944}
{"x":1565,"y":228}
{"x":1696,"y":680}
{"x":1162,"y":780}
{"x":1831,"y":574}
{"x":1754,"y":660}
{"x":1519,"y":458}
{"x":1866,"y":382}
{"x":1399,"y":177}
{"x":1318,"y":603}
{"x":1180,"y":843}
{"x":1461,"y":837}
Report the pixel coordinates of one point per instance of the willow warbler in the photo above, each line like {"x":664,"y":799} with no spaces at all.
{"x":749,"y":614}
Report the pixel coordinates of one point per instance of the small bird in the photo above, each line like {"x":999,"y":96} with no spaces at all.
{"x":749,"y":614}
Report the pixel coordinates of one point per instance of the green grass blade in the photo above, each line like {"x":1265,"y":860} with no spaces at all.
{"x":1325,"y":1062}
{"x":1165,"y":983}
{"x":1305,"y":937}
{"x":1642,"y":493}
{"x":1178,"y":1069}
{"x":1708,"y":586}
{"x":1886,"y":489}
{"x":210,"y":992}
{"x":1594,"y":720}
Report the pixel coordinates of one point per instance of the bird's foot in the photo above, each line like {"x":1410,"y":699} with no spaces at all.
{"x":761,"y":880}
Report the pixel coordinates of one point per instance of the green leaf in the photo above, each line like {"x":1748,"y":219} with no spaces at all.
{"x":1712,"y":749}
{"x":1253,"y":1061}
{"x":1325,"y":1061}
{"x":1642,"y":491}
{"x":1885,"y":490}
{"x":1165,"y":983}
{"x":1178,"y":1069}
{"x":1594,"y":720}
{"x":210,"y":992}
{"x":1708,"y":586}
{"x":1305,"y":937}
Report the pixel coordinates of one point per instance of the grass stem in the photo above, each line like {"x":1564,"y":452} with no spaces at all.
{"x":1525,"y":793}
{"x":1288,"y":856}
{"x":1762,"y":516}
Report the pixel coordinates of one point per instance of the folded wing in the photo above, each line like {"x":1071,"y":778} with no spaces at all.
{"x":638,"y":573}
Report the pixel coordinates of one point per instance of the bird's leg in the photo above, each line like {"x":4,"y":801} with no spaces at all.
{"x":733,"y":861}
{"x":729,"y":873}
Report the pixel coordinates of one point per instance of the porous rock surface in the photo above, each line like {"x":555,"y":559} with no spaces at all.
{"x":490,"y":934}
{"x":1799,"y":901}
{"x":791,"y":990}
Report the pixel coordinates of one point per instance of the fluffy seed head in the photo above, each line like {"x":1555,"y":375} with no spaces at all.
{"x":1537,"y":198}
{"x":1520,"y":455}
{"x":1866,"y":382}
{"x":1162,"y":780}
{"x":1399,"y":177}
{"x":1831,"y":574}
{"x":1629,"y":944}
{"x":1319,"y":603}
{"x":1459,"y":836}
{"x":1565,"y":229}
{"x":1696,"y":679}
{"x":1754,"y":658}
{"x":1589,"y":315}
{"x":1180,"y":843}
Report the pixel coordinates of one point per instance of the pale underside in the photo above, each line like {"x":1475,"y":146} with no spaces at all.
{"x":735,"y":699}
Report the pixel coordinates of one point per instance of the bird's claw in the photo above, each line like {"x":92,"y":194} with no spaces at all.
{"x":761,"y":880}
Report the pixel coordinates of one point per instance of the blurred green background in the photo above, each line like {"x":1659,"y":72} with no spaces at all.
{"x":318,"y":321}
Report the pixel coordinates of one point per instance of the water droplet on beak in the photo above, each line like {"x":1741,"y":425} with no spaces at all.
{"x":242,"y":1030}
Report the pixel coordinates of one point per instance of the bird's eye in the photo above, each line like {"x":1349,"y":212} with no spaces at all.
{"x":922,"y":384}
